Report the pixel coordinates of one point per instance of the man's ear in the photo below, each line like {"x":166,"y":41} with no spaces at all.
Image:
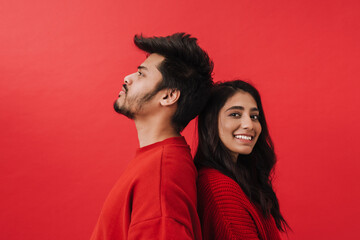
{"x":170,"y":97}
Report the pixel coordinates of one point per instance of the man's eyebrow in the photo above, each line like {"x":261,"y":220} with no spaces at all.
{"x":241,"y":108}
{"x":143,"y":67}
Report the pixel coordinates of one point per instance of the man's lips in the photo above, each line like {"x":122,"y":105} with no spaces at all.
{"x":124,"y":90}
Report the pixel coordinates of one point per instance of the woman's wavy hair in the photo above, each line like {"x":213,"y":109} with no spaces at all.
{"x":253,"y":172}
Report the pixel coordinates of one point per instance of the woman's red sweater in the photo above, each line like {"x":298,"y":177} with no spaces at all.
{"x":226,"y":212}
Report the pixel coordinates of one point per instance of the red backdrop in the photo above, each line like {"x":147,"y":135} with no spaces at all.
{"x":62,"y":64}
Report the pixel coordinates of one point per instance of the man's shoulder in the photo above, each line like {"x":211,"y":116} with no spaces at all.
{"x":177,"y":158}
{"x":171,"y":147}
{"x":168,"y":159}
{"x":179,"y":151}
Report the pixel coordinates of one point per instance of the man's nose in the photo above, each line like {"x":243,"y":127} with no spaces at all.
{"x":129,"y":79}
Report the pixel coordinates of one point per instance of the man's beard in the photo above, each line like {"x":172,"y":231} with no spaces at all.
{"x":135,"y":104}
{"x":123,"y":110}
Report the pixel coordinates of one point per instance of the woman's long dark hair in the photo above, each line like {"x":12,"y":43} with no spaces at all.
{"x":252,"y":172}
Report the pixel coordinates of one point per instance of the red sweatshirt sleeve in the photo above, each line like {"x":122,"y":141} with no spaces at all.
{"x":223,"y":210}
{"x":159,"y":228}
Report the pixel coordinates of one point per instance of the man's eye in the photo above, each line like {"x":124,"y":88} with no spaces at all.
{"x":139,"y":73}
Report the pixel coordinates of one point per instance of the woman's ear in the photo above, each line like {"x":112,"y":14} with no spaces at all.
{"x":170,"y":97}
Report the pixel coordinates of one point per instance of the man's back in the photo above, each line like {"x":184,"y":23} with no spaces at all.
{"x":155,"y":198}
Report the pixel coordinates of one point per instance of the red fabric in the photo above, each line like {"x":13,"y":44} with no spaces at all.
{"x":155,"y":198}
{"x":226,"y":212}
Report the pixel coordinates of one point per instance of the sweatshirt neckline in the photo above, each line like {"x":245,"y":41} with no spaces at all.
{"x":173,"y":140}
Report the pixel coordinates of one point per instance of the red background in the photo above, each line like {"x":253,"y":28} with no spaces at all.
{"x":62,"y":64}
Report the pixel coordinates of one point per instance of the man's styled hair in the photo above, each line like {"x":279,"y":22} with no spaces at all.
{"x":186,"y":67}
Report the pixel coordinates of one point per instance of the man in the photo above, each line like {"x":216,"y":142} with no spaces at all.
{"x":155,"y":198}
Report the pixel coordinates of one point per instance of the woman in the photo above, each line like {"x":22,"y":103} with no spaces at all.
{"x":235,"y":158}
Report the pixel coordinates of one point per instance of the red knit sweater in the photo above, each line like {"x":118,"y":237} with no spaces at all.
{"x":155,"y":198}
{"x":226,"y":212}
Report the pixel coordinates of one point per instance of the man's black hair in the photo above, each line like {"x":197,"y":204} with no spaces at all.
{"x":186,"y":67}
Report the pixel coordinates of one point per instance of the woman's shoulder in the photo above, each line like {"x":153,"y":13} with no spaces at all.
{"x":212,"y":176}
{"x":218,"y":185}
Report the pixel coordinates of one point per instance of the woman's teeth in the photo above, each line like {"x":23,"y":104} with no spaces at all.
{"x":243,"y":137}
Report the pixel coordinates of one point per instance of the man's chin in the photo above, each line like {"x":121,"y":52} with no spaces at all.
{"x":123,"y":111}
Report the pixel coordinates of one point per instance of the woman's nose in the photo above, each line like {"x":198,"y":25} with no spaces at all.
{"x":246,"y":122}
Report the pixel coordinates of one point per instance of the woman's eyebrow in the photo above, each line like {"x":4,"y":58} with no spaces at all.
{"x":241,"y":108}
{"x":235,"y":107}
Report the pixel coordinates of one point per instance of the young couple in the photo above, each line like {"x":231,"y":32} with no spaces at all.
{"x":161,"y":194}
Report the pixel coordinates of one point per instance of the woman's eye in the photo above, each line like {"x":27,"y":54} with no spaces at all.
{"x":255,"y":117}
{"x":235,"y":115}
{"x":139,"y":73}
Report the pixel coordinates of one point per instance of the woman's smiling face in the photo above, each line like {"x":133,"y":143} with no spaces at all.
{"x":239,"y":126}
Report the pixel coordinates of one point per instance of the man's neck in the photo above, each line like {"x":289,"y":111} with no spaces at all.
{"x":150,"y":132}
